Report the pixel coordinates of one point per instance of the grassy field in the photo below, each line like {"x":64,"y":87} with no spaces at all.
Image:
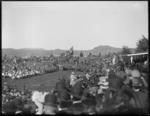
{"x":44,"y":82}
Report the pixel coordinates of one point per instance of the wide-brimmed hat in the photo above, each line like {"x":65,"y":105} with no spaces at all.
{"x":135,"y":73}
{"x":51,"y":100}
{"x":63,"y":95}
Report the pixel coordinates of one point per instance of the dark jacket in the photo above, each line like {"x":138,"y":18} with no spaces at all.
{"x":76,"y":108}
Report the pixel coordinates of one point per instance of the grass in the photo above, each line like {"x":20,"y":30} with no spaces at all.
{"x":44,"y":82}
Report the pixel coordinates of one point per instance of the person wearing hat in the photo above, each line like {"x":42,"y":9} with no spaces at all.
{"x":64,"y":100}
{"x":72,"y":78}
{"x":29,"y":106}
{"x":9,"y":108}
{"x":50,"y":104}
{"x":76,"y":81}
{"x":122,"y":75}
{"x":77,"y":105}
{"x":15,"y":93}
{"x":128,"y":81}
{"x":103,"y":84}
{"x":115,"y":83}
{"x":12,"y":94}
{"x":24,"y":96}
{"x":138,"y":99}
{"x":38,"y":98}
{"x":87,"y":81}
{"x":111,"y":74}
{"x":78,"y":84}
{"x":98,"y":99}
{"x":136,"y":80}
{"x":93,"y":90}
{"x":6,"y":88}
{"x":59,"y":86}
{"x":19,"y":105}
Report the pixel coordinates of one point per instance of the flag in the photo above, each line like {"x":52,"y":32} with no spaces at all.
{"x":71,"y":51}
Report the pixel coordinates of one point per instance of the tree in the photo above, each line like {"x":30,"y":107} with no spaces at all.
{"x":81,"y":54}
{"x":125,"y":50}
{"x":142,"y":45}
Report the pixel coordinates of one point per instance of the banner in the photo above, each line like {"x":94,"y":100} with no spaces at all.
{"x":71,"y":51}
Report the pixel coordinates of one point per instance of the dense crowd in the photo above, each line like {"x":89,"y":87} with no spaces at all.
{"x":19,"y":70}
{"x":115,"y":90}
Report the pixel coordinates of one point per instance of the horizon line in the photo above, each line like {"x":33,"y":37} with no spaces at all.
{"x":70,"y":47}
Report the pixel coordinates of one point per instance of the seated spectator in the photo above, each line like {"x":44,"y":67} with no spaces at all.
{"x":77,"y":106}
{"x":50,"y":104}
{"x":9,"y":108}
{"x":64,"y":100}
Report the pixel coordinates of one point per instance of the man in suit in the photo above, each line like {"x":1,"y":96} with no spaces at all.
{"x":64,"y":99}
{"x":77,"y":105}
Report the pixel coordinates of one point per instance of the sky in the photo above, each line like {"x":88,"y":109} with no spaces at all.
{"x":83,"y":25}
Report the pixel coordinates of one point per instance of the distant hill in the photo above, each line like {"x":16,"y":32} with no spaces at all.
{"x":24,"y":52}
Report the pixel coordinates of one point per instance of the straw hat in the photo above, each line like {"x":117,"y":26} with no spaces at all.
{"x":135,"y":73}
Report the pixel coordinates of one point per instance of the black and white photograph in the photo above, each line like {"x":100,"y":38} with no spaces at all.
{"x":74,"y":57}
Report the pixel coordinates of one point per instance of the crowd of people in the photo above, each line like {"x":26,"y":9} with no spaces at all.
{"x":114,"y":90}
{"x":21,"y":70}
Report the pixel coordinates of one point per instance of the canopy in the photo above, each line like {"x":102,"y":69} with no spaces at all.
{"x":136,"y":54}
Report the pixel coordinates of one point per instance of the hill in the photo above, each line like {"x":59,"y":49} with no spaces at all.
{"x":24,"y":52}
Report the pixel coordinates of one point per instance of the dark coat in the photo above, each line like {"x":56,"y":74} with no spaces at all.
{"x":10,"y":107}
{"x":29,"y":107}
{"x":76,"y":108}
